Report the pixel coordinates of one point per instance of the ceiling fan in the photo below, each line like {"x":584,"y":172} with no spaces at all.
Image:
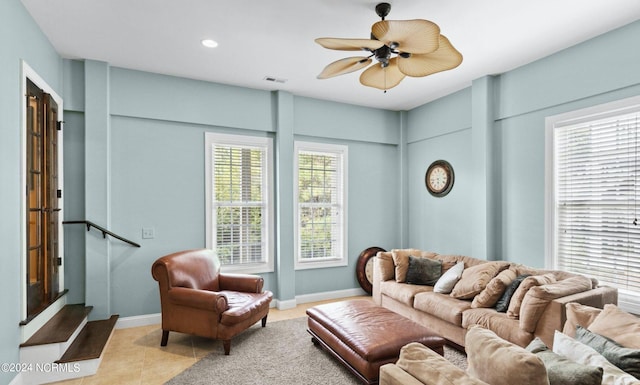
{"x":401,"y":47}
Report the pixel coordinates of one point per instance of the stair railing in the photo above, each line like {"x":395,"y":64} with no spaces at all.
{"x":104,"y":231}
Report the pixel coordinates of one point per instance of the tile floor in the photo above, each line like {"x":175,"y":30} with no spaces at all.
{"x":134,"y":355}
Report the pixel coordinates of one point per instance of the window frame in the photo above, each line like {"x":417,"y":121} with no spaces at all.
{"x":627,"y":300}
{"x":341,"y":152}
{"x":268,"y":249}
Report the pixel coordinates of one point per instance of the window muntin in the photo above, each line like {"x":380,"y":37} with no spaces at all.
{"x":320,"y":205}
{"x":239,"y":222}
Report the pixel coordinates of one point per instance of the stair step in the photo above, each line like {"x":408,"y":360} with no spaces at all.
{"x":61,"y":326}
{"x":91,"y":341}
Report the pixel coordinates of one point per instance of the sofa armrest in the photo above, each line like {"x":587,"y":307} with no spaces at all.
{"x":554,"y":316}
{"x":383,"y":270}
{"x":246,"y":283}
{"x":201,"y":299}
{"x":391,"y":374}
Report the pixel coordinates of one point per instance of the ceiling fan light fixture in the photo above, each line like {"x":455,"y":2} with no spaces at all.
{"x":418,"y":46}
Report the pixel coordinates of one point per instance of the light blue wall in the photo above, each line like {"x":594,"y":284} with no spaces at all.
{"x":155,"y":147}
{"x":20,"y":39}
{"x":597,"y":71}
{"x":440,"y":130}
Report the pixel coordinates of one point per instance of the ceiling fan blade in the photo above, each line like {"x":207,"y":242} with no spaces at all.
{"x":349,"y":44}
{"x":344,"y":66}
{"x":414,"y":36}
{"x":382,"y":78}
{"x":445,"y":58}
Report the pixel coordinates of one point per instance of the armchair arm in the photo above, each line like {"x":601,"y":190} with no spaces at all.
{"x":246,"y":283}
{"x":201,"y":299}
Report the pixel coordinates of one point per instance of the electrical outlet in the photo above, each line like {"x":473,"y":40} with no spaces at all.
{"x":148,"y":233}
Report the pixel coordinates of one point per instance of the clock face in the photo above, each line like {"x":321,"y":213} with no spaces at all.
{"x":368,"y":270}
{"x":439,"y":178}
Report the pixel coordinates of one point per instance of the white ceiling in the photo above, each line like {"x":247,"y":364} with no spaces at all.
{"x":259,"y":38}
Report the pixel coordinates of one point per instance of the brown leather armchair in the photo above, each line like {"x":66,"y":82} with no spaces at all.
{"x":197,"y":299}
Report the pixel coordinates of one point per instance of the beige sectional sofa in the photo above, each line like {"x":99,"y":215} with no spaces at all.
{"x":494,"y":361}
{"x":536,"y":309}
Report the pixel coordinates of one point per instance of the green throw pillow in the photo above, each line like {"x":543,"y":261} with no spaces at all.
{"x":423,"y":271}
{"x":563,"y":371}
{"x":624,"y":358}
{"x":503,"y":303}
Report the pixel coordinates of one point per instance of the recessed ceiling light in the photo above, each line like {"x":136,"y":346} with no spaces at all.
{"x":209,"y":43}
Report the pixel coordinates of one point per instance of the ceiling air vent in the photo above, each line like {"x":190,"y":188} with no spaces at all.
{"x":275,"y":80}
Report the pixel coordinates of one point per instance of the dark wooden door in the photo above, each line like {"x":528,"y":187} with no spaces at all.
{"x":42,"y":200}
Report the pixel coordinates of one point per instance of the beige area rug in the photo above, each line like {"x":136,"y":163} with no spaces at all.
{"x":280,"y":353}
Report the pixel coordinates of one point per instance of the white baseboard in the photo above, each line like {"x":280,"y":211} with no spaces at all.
{"x":337,"y":294}
{"x":139,"y":320}
{"x":156,"y":319}
{"x":284,"y":305}
{"x":17,"y":380}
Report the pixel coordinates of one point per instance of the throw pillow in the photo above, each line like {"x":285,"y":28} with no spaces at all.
{"x":563,"y":371}
{"x":423,"y":271}
{"x":475,"y":279}
{"x":503,"y":303}
{"x":495,"y":288}
{"x":624,"y":358}
{"x":428,"y":367}
{"x":578,"y":314}
{"x":449,"y":279}
{"x":618,"y":325}
{"x":516,"y":300}
{"x":578,"y":352}
{"x":401,"y":261}
{"x":500,"y":362}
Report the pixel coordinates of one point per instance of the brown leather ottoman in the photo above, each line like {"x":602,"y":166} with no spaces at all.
{"x":364,"y":336}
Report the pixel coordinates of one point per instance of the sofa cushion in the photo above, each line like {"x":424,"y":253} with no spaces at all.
{"x":583,"y":354}
{"x":402,"y":292}
{"x":475,"y":279}
{"x":516,"y":301}
{"x":449,"y":279}
{"x":442,"y":306}
{"x":430,"y":368}
{"x":578,"y":314}
{"x":563,"y":371}
{"x":423,"y":271}
{"x":618,"y":325}
{"x":499,"y":362}
{"x":624,"y":358}
{"x":503,"y":303}
{"x":401,"y":261}
{"x":494,"y":290}
{"x":502,"y":325}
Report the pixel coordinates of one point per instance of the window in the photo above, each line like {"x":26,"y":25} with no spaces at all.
{"x":320,"y":209}
{"x":239,"y":201}
{"x":593,"y":211}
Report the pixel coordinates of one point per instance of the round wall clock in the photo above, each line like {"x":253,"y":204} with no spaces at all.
{"x":439,"y":178}
{"x":364,"y":268}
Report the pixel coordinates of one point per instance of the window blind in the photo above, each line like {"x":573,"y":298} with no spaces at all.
{"x":319,"y":205}
{"x":596,"y":187}
{"x":239,"y":203}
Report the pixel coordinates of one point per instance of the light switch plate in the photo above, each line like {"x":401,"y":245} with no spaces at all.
{"x":148,"y":233}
